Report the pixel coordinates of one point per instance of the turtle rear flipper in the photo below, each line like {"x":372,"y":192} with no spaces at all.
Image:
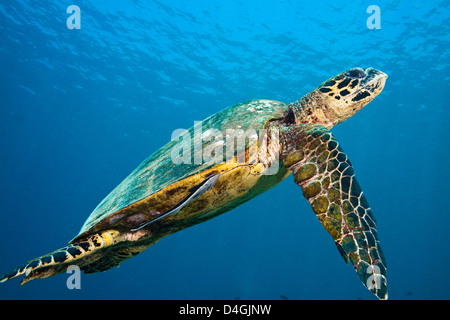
{"x":194,"y":193}
{"x":81,"y":253}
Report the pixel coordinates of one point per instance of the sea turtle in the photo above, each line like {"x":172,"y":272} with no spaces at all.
{"x":229,"y":158}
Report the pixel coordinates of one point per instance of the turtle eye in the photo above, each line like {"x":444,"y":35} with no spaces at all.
{"x":355,"y":73}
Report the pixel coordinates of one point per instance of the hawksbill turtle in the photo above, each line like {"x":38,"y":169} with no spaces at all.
{"x":233,"y":156}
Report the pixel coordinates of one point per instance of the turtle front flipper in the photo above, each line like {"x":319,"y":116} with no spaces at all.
{"x":82,"y":253}
{"x":323,"y":171}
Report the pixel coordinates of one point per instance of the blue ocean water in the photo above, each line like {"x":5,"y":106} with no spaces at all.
{"x":81,"y":108}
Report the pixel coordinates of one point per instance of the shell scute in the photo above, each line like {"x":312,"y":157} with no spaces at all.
{"x":157,"y":184}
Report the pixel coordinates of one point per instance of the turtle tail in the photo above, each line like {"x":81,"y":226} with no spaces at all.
{"x":80,"y":253}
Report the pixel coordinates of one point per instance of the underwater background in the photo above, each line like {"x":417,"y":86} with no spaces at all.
{"x":81,"y":108}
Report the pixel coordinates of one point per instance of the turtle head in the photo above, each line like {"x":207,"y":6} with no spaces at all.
{"x":348,"y":92}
